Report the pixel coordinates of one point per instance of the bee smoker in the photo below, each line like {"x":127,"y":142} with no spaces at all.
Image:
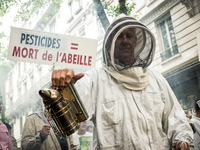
{"x":63,"y":109}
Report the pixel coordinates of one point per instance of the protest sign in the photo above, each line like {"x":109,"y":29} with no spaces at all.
{"x":48,"y":48}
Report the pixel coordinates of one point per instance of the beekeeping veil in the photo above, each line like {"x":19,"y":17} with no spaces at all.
{"x":143,"y":53}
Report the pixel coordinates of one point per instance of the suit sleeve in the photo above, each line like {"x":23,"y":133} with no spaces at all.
{"x":174,"y":120}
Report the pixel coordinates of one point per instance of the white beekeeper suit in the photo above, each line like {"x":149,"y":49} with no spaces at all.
{"x":196,"y":122}
{"x":132,"y":107}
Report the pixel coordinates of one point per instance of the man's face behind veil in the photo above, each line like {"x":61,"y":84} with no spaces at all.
{"x":124,"y":47}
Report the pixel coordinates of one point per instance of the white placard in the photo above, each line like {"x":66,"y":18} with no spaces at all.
{"x":48,"y":48}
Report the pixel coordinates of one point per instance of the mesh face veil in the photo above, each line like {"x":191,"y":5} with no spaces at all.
{"x":145,"y":43}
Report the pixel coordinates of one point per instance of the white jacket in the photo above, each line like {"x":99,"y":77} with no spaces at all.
{"x":148,"y":119}
{"x":196,"y":123}
{"x":132,"y":107}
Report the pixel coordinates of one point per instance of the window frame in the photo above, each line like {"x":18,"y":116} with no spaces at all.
{"x":173,"y":48}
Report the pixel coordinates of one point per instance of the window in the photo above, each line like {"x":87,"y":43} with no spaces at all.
{"x":31,"y":80}
{"x":25,"y":66}
{"x":21,"y":125}
{"x":80,"y":3}
{"x":72,"y":7}
{"x":10,"y":79}
{"x":19,"y":69}
{"x":70,"y":12}
{"x":25,"y":87}
{"x":19,"y":91}
{"x":168,"y":37}
{"x":11,"y":100}
{"x":78,"y":6}
{"x":52,"y":25}
{"x":82,"y":31}
{"x":100,"y":30}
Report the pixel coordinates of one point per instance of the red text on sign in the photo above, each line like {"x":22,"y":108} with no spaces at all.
{"x":74,"y":59}
{"x":25,"y":52}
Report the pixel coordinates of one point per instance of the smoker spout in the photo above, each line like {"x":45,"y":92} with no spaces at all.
{"x":45,"y":94}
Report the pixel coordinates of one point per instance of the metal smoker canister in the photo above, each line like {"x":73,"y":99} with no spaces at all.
{"x":60,"y":111}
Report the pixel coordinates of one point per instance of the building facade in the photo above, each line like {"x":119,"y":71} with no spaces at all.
{"x":26,"y":79}
{"x":176,"y":26}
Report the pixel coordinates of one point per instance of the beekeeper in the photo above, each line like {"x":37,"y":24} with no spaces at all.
{"x":131,"y":105}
